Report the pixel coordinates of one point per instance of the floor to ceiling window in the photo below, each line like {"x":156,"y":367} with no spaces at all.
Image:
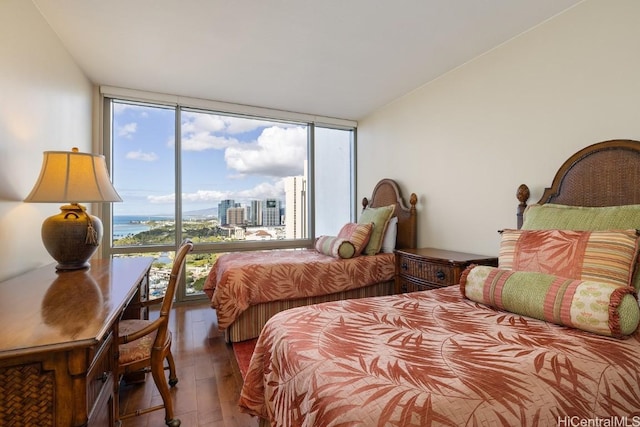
{"x":225,"y":180}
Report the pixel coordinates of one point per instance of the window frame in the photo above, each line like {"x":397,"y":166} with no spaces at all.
{"x":109,"y":94}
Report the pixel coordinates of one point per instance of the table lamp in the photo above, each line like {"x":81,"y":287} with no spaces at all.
{"x":72,"y":236}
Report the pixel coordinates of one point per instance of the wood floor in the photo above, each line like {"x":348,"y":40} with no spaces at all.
{"x":209,"y":378}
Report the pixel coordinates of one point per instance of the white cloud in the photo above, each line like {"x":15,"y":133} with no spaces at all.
{"x":198,"y":122}
{"x":205,"y":141}
{"x":139,"y":155}
{"x":204,"y":196}
{"x":280,"y":149}
{"x":127,"y":130}
{"x":264,"y":190}
{"x":277,"y":152}
{"x":199,"y":132}
{"x":259,"y":192}
{"x":167,"y":198}
{"x":237,"y":125}
{"x":119,"y":108}
{"x":203,"y":122}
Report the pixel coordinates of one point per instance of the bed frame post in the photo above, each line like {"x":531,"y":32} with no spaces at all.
{"x":522,"y":195}
{"x":365,"y":203}
{"x":413,"y":214}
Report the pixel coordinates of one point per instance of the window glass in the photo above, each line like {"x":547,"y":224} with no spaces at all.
{"x":333,"y":159}
{"x":197,"y":268}
{"x":243,"y":179}
{"x":242,"y":183}
{"x":143,"y":172}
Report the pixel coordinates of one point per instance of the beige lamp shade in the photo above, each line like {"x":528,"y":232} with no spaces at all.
{"x":73,"y":177}
{"x":72,"y":236}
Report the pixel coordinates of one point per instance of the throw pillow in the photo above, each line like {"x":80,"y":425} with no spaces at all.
{"x":389,"y":240}
{"x":380,"y":218}
{"x":563,"y":217}
{"x":603,"y":256}
{"x":336,"y":247}
{"x":601,"y":308}
{"x":551,"y":215}
{"x":357,"y":234}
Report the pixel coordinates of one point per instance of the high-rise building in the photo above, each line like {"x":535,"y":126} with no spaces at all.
{"x":236,"y":216}
{"x":295,"y":216}
{"x":271,"y":213}
{"x":222,"y":210}
{"x":255,"y":213}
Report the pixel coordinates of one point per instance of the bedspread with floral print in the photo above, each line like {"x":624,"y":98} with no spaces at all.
{"x":435,"y":358}
{"x":238,"y":280}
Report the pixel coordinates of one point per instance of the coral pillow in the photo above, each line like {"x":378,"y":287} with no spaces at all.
{"x":563,"y":217}
{"x":357,"y":234}
{"x":602,"y":256}
{"x":601,"y":308}
{"x":336,"y":247}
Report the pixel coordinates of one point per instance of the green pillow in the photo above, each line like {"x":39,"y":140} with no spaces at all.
{"x":379,"y":217}
{"x":601,"y":308}
{"x":563,"y":217}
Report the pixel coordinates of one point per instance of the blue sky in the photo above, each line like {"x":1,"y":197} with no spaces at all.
{"x":223,"y":157}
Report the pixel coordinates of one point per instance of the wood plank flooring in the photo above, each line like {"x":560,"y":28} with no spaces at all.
{"x":209,"y":379}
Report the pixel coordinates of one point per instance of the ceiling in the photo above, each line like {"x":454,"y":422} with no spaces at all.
{"x":335,"y":58}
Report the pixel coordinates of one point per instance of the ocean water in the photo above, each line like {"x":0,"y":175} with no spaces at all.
{"x":130,"y":225}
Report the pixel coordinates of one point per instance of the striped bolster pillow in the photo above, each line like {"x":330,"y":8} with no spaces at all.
{"x":601,"y":308}
{"x":336,"y":247}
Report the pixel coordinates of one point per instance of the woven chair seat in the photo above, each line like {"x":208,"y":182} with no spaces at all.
{"x":139,"y":349}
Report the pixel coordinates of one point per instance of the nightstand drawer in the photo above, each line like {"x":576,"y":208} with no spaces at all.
{"x":427,"y":268}
{"x":444,"y":275}
{"x":407,"y":284}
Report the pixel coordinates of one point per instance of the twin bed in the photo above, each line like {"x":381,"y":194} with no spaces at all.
{"x":248,"y":288}
{"x":506,"y":347}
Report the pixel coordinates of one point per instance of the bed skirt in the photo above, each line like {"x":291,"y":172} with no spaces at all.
{"x":249,"y":324}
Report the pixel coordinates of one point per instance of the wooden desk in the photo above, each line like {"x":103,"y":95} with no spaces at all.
{"x":58,"y":342}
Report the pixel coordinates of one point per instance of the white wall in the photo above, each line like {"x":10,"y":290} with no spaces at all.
{"x":464,"y":142}
{"x":45,"y":104}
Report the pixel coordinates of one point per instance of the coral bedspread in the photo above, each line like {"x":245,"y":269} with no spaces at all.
{"x":241,"y":279}
{"x":434,"y":358}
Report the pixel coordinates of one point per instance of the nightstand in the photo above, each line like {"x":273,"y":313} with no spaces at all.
{"x":429,"y":268}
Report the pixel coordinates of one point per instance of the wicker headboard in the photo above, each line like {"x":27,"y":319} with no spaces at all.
{"x":602,"y":174}
{"x":386,"y":192}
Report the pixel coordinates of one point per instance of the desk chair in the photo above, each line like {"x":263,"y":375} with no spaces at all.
{"x":145,"y":344}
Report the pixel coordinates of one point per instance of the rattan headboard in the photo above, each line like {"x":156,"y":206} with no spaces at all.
{"x":386,"y":192}
{"x":602,"y":174}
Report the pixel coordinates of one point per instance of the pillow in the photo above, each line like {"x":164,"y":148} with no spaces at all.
{"x":603,"y":256}
{"x":563,"y":217}
{"x":357,"y":234}
{"x":389,"y":239}
{"x":597,"y":307}
{"x":380,"y":218}
{"x":336,"y":247}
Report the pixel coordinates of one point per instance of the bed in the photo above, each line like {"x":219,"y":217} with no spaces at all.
{"x":439,"y":357}
{"x":247,"y":288}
